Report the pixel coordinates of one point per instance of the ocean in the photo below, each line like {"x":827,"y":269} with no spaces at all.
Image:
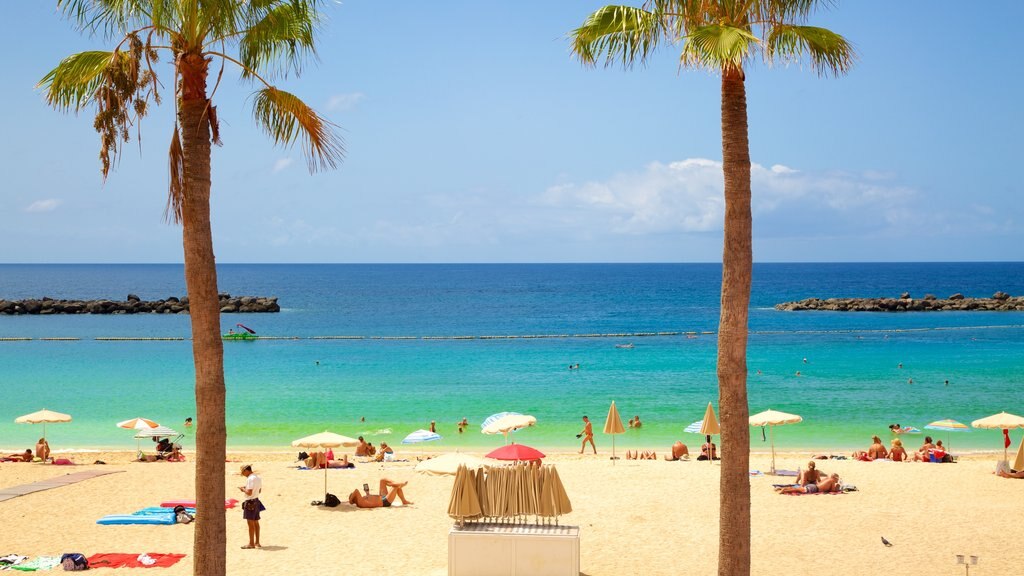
{"x":416,"y":351}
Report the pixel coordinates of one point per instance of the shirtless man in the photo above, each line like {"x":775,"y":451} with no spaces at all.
{"x":588,"y":435}
{"x":877,"y":451}
{"x":678,"y":451}
{"x":830,"y":484}
{"x":925,"y":450}
{"x":1005,"y":474}
{"x":809,"y":476}
{"x":25,"y":456}
{"x":362,"y":450}
{"x":380,"y":500}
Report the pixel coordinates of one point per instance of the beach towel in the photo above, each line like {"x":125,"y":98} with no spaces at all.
{"x":11,"y":560}
{"x":146,"y":560}
{"x":38,"y":563}
{"x":159,"y":510}
{"x":119,"y":519}
{"x":786,"y":473}
{"x":229,"y":503}
{"x":812,"y":494}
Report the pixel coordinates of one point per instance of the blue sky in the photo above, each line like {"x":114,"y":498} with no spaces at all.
{"x":473,"y":136}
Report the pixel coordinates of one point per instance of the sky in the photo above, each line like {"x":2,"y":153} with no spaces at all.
{"x":473,"y":135}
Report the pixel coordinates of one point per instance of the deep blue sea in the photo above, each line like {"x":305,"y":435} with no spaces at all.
{"x":398,"y":376}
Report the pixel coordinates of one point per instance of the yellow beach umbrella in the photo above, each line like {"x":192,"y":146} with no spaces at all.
{"x":1018,"y":462}
{"x":613,"y":426}
{"x":708,"y":426}
{"x":773,"y":418}
{"x":1001,"y":421}
{"x":43,"y":417}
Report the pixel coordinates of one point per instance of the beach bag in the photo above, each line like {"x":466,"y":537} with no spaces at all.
{"x":331,"y":500}
{"x":74,"y":562}
{"x":181,"y":516}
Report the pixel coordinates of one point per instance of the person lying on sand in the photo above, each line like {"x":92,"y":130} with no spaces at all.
{"x":319,"y":460}
{"x":809,"y":476}
{"x":679,"y":452}
{"x":25,"y":456}
{"x":380,"y":500}
{"x":830,"y":484}
{"x":1010,"y":474}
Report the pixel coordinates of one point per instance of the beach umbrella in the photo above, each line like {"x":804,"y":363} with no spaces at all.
{"x":516,"y":452}
{"x":323,"y":440}
{"x":421,"y":436}
{"x":613,"y":426}
{"x":157,"y":432}
{"x":43,"y":417}
{"x":561,"y":498}
{"x":464,"y":502}
{"x":448,"y":464}
{"x":494,"y":417}
{"x":706,"y":426}
{"x":1018,"y":462}
{"x":948,"y":426}
{"x":509,"y":423}
{"x":137,"y":424}
{"x":1003,"y":421}
{"x":772,"y":418}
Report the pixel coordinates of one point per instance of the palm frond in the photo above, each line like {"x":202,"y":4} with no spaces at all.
{"x":176,"y":183}
{"x":281,"y":39}
{"x":286,"y":118}
{"x":828,"y":52}
{"x":110,"y":18}
{"x":776,"y":11}
{"x":72,"y":84}
{"x":622,"y":34}
{"x":717,"y":47}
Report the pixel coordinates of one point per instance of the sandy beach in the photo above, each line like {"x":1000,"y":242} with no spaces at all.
{"x":644,"y":517}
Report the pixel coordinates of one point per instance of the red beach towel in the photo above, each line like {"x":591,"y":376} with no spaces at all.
{"x":117,"y":560}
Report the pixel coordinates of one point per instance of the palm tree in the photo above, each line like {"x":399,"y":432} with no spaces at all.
{"x":269,"y":38}
{"x":722,"y":36}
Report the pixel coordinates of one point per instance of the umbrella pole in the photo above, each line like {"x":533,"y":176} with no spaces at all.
{"x":771,"y":436}
{"x":613,"y":449}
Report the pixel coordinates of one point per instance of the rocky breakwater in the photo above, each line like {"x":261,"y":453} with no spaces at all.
{"x":133,"y":305}
{"x":1000,"y":301}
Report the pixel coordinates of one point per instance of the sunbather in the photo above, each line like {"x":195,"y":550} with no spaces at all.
{"x":321,"y":460}
{"x":809,"y":476}
{"x":704,"y":451}
{"x":380,"y":500}
{"x":25,"y":456}
{"x":386,"y":453}
{"x":362,"y":449}
{"x":43,"y":449}
{"x":876,"y":452}
{"x":924,"y":452}
{"x":1010,"y":474}
{"x":830,"y":484}
{"x":898,"y":453}
{"x":679,"y":452}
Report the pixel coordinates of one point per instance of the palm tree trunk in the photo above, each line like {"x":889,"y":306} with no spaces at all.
{"x":737,"y":262}
{"x":209,"y":545}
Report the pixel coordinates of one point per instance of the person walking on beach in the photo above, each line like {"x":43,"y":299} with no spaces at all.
{"x":251,"y":506}
{"x":588,"y":435}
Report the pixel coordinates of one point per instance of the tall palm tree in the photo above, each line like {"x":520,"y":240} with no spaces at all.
{"x":722,"y":36}
{"x":267,"y":38}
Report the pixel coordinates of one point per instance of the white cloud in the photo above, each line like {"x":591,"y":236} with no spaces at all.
{"x":48,"y":205}
{"x":345,"y":102}
{"x":280,"y":165}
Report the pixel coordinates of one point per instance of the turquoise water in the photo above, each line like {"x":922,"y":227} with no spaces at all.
{"x":278,"y":390}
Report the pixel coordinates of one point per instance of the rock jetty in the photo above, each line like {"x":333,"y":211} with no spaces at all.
{"x":1000,"y":301}
{"x":133,"y":305}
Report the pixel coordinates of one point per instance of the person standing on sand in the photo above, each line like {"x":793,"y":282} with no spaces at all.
{"x":251,"y":506}
{"x":588,"y":435}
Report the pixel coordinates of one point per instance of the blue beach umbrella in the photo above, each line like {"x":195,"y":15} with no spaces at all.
{"x":421,"y":436}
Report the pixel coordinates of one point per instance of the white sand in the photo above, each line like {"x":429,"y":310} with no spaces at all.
{"x":643,"y":517}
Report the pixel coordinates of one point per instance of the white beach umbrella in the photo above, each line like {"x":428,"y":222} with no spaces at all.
{"x":43,"y":417}
{"x":421,"y":436}
{"x":1002,"y":421}
{"x":158,"y":432}
{"x":773,"y":418}
{"x":509,"y":423}
{"x":323,"y":440}
{"x":448,"y":464}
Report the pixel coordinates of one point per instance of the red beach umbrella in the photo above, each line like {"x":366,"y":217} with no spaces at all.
{"x":515,"y":452}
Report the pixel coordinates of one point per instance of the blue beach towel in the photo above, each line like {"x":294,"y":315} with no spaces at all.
{"x":113,"y":519}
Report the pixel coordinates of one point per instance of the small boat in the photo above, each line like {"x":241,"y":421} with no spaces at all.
{"x":246,"y":334}
{"x":629,"y":345}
